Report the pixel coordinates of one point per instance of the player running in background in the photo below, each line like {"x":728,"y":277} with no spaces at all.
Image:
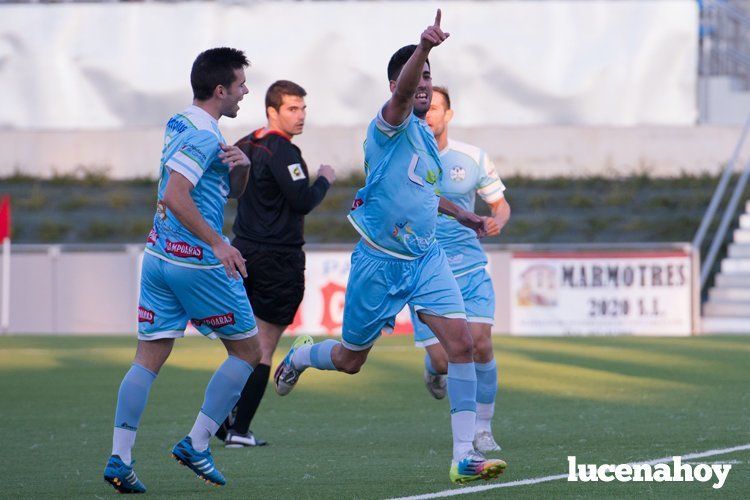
{"x":190,"y":272}
{"x":398,"y":261}
{"x":466,"y":170}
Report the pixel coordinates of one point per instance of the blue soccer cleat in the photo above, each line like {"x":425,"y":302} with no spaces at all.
{"x":200,"y":462}
{"x":122,"y":477}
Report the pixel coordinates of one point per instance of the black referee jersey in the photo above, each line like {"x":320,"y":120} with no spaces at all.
{"x":272,"y":209}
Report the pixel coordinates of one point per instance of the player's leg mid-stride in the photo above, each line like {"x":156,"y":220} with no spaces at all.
{"x":467,"y":464}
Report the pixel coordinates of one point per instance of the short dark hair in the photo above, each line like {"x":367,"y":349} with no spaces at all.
{"x":398,"y":59}
{"x":446,"y":95}
{"x":215,"y":67}
{"x":278,"y":89}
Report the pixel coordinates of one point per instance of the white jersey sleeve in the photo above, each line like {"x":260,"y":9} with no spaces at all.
{"x":489,"y":186}
{"x":194,"y":155}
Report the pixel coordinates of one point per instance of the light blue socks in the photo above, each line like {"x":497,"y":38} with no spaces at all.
{"x":428,"y":365}
{"x":131,"y":401}
{"x":462,"y":392}
{"x":486,"y":382}
{"x":222,"y":393}
{"x":132,"y":397}
{"x":316,"y":355}
{"x":486,"y":392}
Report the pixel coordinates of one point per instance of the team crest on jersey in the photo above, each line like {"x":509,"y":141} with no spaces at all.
{"x":216,"y":321}
{"x":145,"y":315}
{"x":458,"y":174}
{"x":184,"y":249}
{"x":296,"y":172}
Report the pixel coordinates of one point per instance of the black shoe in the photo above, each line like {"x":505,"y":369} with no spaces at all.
{"x":236,"y":440}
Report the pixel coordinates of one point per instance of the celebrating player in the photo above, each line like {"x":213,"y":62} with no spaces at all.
{"x":398,"y":261}
{"x":466,"y":170}
{"x":190,"y":272}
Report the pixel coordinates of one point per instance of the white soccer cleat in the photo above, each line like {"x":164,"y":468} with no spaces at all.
{"x":287,"y":375}
{"x":436,"y":384}
{"x":484,"y":442}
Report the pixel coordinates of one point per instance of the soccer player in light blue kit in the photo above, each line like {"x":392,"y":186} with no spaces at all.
{"x":398,"y":261}
{"x":466,"y":171}
{"x":190,"y":272}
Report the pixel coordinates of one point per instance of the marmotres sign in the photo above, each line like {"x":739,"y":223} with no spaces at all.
{"x":602,"y":292}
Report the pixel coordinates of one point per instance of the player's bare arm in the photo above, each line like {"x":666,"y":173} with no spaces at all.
{"x":239,"y":169}
{"x":178,"y":200}
{"x":464,"y":217}
{"x":500,"y":217}
{"x":398,"y":108}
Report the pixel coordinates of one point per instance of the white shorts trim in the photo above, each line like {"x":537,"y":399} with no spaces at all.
{"x":236,"y":336}
{"x":429,"y":312}
{"x":166,"y":334}
{"x":355,"y":347}
{"x":481,"y":319}
{"x":426,"y":343}
{"x":469,"y":271}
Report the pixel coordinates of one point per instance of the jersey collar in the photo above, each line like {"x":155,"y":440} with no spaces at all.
{"x":445,"y":149}
{"x":201,"y":111}
{"x":261,"y":132}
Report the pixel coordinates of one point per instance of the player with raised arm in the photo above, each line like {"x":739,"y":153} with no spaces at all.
{"x":398,"y":261}
{"x":190,"y":272}
{"x":466,"y":171}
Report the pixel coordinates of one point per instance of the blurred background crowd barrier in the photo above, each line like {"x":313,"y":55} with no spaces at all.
{"x":548,"y":87}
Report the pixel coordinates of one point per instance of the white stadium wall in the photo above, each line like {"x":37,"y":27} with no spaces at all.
{"x":533,"y":82}
{"x":540,"y":290}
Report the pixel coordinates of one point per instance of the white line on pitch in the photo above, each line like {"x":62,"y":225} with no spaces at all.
{"x":544,"y":479}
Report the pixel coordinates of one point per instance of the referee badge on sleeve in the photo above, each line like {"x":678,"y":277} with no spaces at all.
{"x":296,"y":172}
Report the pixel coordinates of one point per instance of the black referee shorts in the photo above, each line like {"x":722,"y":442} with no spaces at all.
{"x":275,"y":280}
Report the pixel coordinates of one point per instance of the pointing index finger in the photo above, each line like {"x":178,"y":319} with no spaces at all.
{"x":437,"y":18}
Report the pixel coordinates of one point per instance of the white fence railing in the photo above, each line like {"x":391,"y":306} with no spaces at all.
{"x":647,"y":289}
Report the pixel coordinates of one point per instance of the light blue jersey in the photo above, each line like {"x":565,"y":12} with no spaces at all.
{"x":191,"y":147}
{"x":396,"y":211}
{"x":181,"y":280}
{"x":466,"y":170}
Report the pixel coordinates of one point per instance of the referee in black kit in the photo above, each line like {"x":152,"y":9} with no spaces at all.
{"x":269,"y":233}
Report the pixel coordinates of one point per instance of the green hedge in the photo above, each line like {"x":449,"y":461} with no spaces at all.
{"x":89,"y":207}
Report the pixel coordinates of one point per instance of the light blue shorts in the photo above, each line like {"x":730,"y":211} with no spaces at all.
{"x":479,"y":300}
{"x":381,"y":285}
{"x":172,"y":295}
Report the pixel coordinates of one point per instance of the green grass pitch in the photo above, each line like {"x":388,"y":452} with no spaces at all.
{"x":379,"y":434}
